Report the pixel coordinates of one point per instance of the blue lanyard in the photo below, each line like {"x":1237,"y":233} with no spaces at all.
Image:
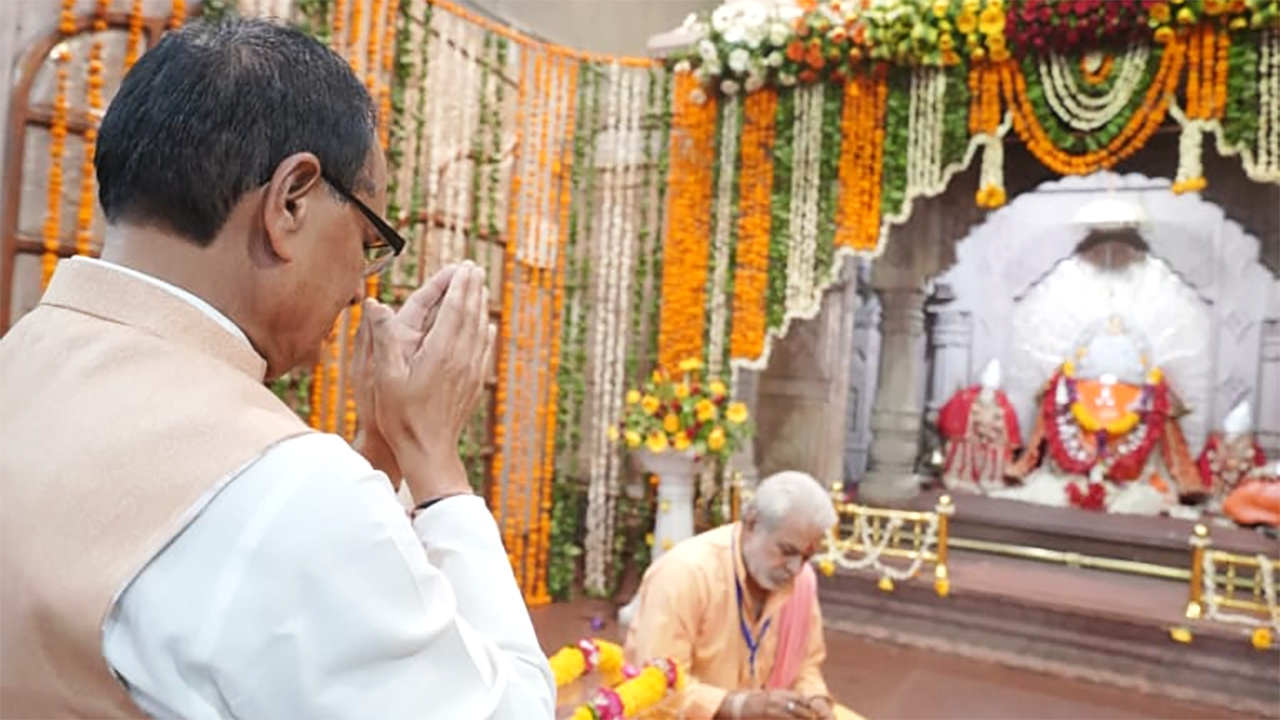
{"x":753,"y":641}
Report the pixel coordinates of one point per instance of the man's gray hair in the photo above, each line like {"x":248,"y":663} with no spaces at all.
{"x":791,"y":492}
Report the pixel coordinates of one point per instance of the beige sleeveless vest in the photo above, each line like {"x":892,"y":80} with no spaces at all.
{"x":123,"y":409}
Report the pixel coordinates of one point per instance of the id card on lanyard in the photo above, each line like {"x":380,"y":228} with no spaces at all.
{"x":752,"y":640}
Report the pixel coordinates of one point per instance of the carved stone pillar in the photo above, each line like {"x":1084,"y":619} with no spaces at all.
{"x":864,"y":368}
{"x":949,"y":334}
{"x":896,"y":415}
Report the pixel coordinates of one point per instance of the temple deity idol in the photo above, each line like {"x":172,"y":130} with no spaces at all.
{"x":1228,"y":456}
{"x":980,"y":430}
{"x":1106,"y":433}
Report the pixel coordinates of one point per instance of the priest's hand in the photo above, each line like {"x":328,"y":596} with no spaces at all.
{"x":822,"y":708}
{"x":413,"y":321}
{"x":424,"y":399}
{"x":777,"y":705}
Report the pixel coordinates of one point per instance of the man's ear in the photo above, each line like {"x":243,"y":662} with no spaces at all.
{"x":749,"y":519}
{"x":289,"y":195}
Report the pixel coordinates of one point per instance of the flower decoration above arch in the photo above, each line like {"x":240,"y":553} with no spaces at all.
{"x":744,"y":46}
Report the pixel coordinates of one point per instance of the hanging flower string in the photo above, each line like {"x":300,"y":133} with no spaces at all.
{"x":751,"y":269}
{"x":51,"y":233}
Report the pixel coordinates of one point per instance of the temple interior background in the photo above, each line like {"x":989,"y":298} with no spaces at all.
{"x":1040,"y":372}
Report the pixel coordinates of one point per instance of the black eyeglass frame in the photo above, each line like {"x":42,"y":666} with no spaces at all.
{"x":388,"y":233}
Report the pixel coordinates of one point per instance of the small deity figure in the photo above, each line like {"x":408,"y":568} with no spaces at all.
{"x":1255,"y":500}
{"x":980,"y":430}
{"x":1106,"y":435}
{"x":1230,"y":455}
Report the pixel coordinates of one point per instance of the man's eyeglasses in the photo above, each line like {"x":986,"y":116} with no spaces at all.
{"x":377,"y":254}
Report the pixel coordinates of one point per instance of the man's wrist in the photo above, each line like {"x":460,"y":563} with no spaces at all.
{"x":431,"y":475}
{"x":374,"y":448}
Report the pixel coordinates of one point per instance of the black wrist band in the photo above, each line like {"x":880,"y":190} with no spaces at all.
{"x":428,"y":503}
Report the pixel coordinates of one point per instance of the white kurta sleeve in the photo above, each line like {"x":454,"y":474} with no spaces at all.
{"x":319,"y":600}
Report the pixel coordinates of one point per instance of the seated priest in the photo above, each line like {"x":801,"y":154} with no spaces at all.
{"x":737,"y":607}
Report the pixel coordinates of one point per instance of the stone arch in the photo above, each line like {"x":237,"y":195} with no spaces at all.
{"x":1020,"y":245}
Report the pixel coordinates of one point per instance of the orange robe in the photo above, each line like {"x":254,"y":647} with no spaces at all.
{"x":688,"y":611}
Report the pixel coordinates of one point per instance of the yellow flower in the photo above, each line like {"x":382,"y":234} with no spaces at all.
{"x":1186,"y":16}
{"x":827,"y":567}
{"x":657,"y":376}
{"x":978,"y":54}
{"x":633,"y":397}
{"x":946,"y":42}
{"x":970,"y":6}
{"x":737,"y":413}
{"x":967,"y":22}
{"x":666,"y":544}
{"x":682,"y":390}
{"x":705,"y":410}
{"x":681,"y":441}
{"x":633,"y":439}
{"x":690,"y":365}
{"x":1238,"y":23}
{"x":671,"y":423}
{"x":717,"y":388}
{"x":648,"y":539}
{"x":991,"y":21}
{"x":1000,"y":54}
{"x":650,"y":404}
{"x":1214,"y":7}
{"x":1163,"y":35}
{"x":613,"y":434}
{"x":950,"y":58}
{"x":657,"y":442}
{"x":940,"y":8}
{"x":1159,"y":12}
{"x":1262,"y":638}
{"x":715,"y":440}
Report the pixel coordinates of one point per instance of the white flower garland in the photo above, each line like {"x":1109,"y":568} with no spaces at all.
{"x":1190,"y":177}
{"x":1260,"y":163}
{"x":612,"y":288}
{"x":457,"y":189}
{"x":1078,"y":107}
{"x":925,"y":132}
{"x":873,"y":550}
{"x":725,"y":217}
{"x":1269,"y":101}
{"x":408,"y":169}
{"x":441,"y":73}
{"x":802,"y":292}
{"x":282,"y":9}
{"x":1266,"y":574}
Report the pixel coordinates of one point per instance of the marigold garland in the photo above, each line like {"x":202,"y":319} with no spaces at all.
{"x":51,"y":232}
{"x":627,"y":691}
{"x":93,"y":99}
{"x":1140,"y":126}
{"x":684,"y":274}
{"x":755,"y":211}
{"x":861,"y":160}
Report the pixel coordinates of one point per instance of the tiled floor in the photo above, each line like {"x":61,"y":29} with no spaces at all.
{"x":887,"y":682}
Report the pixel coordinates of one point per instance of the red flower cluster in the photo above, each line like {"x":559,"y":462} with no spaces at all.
{"x":1093,"y":498}
{"x":1073,"y":26}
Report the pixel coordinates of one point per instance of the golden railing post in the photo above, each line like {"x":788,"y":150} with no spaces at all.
{"x":1200,"y":543}
{"x":941,"y":576}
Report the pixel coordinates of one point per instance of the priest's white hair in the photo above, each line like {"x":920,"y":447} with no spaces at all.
{"x":789,"y":493}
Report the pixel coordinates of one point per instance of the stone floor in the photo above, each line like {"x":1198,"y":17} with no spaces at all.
{"x":889,"y":682}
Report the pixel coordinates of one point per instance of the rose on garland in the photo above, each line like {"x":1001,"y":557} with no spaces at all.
{"x":686,"y":411}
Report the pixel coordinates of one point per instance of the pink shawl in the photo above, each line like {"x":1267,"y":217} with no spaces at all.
{"x":793,"y":630}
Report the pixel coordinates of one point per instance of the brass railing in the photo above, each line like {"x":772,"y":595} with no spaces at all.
{"x":1228,"y":587}
{"x":866,"y":537}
